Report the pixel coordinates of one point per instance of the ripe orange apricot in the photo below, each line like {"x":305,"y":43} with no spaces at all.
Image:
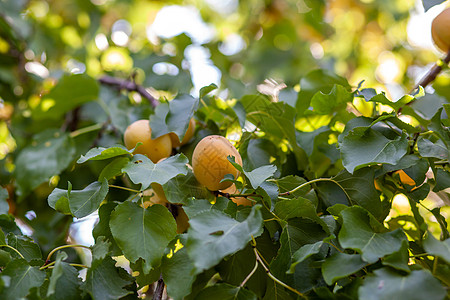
{"x":440,"y":30}
{"x":210,"y":163}
{"x":189,"y":134}
{"x":238,"y":200}
{"x":155,"y":149}
{"x":405,"y":179}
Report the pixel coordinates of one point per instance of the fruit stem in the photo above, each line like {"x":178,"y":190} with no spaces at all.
{"x":87,"y":129}
{"x":258,"y":259}
{"x":123,"y":188}
{"x":250,"y":274}
{"x":313,"y":181}
{"x":62,"y":247}
{"x":14,"y":249}
{"x":130,"y":86}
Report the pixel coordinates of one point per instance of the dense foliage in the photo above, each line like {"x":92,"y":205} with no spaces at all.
{"x":347,"y":176}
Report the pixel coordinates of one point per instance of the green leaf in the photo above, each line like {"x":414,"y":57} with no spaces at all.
{"x":70,"y":92}
{"x":442,"y":178}
{"x":225,"y":291}
{"x":257,"y":152}
{"x":142,"y":233}
{"x":360,"y":188}
{"x":25,"y":245}
{"x":385,"y":284}
{"x":178,"y":269}
{"x":290,"y":182}
{"x":361,"y":232}
{"x":114,"y":168}
{"x":259,"y":175}
{"x":104,"y":282}
{"x":398,"y":260}
{"x":207,"y":89}
{"x":81,"y":202}
{"x":101,"y":248}
{"x":86,"y":201}
{"x":318,"y":80}
{"x":57,"y":272}
{"x":142,"y":170}
{"x":50,"y":152}
{"x":173,"y":116}
{"x":214,"y":235}
{"x":381,"y":98}
{"x":429,"y":149}
{"x":4,"y":206}
{"x":101,"y":153}
{"x":276,"y":119}
{"x":365,"y":146}
{"x":438,"y":248}
{"x":298,"y":208}
{"x":182,"y":187}
{"x":23,"y":277}
{"x":297,"y":233}
{"x":427,"y":4}
{"x":303,"y":253}
{"x":341,"y":265}
{"x":101,"y":229}
{"x":234,"y":269}
{"x":306,"y":139}
{"x":326,"y":103}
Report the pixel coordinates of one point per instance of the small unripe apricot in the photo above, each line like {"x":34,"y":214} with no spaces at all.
{"x":189,"y":134}
{"x":155,"y":149}
{"x":238,"y":200}
{"x":210,"y":163}
{"x":440,"y":30}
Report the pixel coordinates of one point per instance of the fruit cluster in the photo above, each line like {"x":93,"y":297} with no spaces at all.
{"x":209,"y":163}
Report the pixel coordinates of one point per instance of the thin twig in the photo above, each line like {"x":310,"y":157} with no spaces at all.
{"x":258,"y":258}
{"x":429,"y":77}
{"x":250,"y":274}
{"x":129,"y":86}
{"x":14,"y":249}
{"x":62,"y":247}
{"x":159,"y":289}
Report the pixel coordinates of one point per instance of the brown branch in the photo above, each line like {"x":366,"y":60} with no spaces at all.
{"x":159,"y":289}
{"x":431,"y":75}
{"x":129,"y":86}
{"x":228,"y":195}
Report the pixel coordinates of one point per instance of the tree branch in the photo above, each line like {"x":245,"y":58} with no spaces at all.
{"x":129,"y":86}
{"x":435,"y":70}
{"x":159,"y":289}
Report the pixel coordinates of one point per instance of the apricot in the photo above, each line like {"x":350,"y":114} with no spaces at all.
{"x":440,"y":30}
{"x":155,"y":149}
{"x":189,"y":134}
{"x":405,"y":179}
{"x":210,"y":163}
{"x":238,"y":200}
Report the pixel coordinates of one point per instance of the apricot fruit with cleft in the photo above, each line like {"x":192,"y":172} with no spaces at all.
{"x":155,"y":149}
{"x":210,"y":163}
{"x":187,"y":137}
{"x":440,"y":30}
